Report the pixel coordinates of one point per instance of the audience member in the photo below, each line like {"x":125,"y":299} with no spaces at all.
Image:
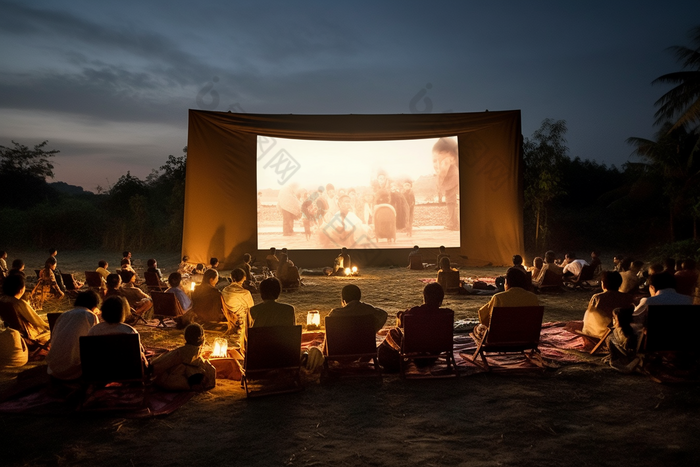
{"x":630,"y":279}
{"x":388,"y":351}
{"x":447,"y":277}
{"x":184,"y":368}
{"x":598,"y":316}
{"x":572,"y":266}
{"x":53,"y":252}
{"x":102,"y":266}
{"x":139,"y":300}
{"x":617,"y":259}
{"x":551,"y":272}
{"x":13,"y":287}
{"x":352,"y":306}
{"x":622,"y":342}
{"x":536,"y":268}
{"x":662,"y":291}
{"x":153,"y":267}
{"x":287,"y":273}
{"x":174,"y":281}
{"x":47,"y":286}
{"x":64,"y":355}
{"x":272,"y":261}
{"x":238,"y":301}
{"x":515,"y":294}
{"x":114,"y":311}
{"x":414,"y":258}
{"x":442,"y":253}
{"x":185,"y":268}
{"x":687,"y":278}
{"x":13,"y":350}
{"x":518,"y":263}
{"x":213,"y":263}
{"x":341,"y":262}
{"x":4,"y":271}
{"x":207,"y":303}
{"x":270,"y":312}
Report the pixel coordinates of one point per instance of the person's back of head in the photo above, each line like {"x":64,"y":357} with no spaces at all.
{"x":113,"y":281}
{"x":174,"y":279}
{"x":185,"y":259}
{"x":214,"y":262}
{"x":194,"y":335}
{"x":442,"y":249}
{"x":87,"y":299}
{"x":102,"y":263}
{"x":516,"y":278}
{"x":273,"y":250}
{"x":126,"y":254}
{"x":50,"y":262}
{"x":350,"y":293}
{"x":246,"y":258}
{"x":570,"y":256}
{"x":433,"y":294}
{"x":237,"y":275}
{"x":270,"y":289}
{"x":125,"y":262}
{"x":538,"y":262}
{"x":662,"y":280}
{"x":13,"y":285}
{"x":151,"y":263}
{"x":670,"y":264}
{"x":127,"y":276}
{"x":445,"y":263}
{"x":626,"y":264}
{"x":656,"y":268}
{"x":550,"y":256}
{"x":637,"y":265}
{"x":114,"y":309}
{"x":517,"y":260}
{"x":209,"y":275}
{"x":623,"y":318}
{"x":612,"y":280}
{"x":415,"y":247}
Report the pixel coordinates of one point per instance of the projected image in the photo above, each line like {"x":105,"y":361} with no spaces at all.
{"x":357,"y":194}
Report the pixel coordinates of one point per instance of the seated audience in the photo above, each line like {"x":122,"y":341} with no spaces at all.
{"x":207,"y":303}
{"x":46,"y":286}
{"x":536,"y":268}
{"x":518,"y":263}
{"x":126,"y":267}
{"x":687,"y":278}
{"x":287,"y":273}
{"x":199,"y":269}
{"x":64,"y":355}
{"x":572,"y":266}
{"x":516,"y":294}
{"x":341,"y":262}
{"x":442,"y":253}
{"x":13,"y":350}
{"x":622,"y":342}
{"x":272,"y":261}
{"x":598,"y":316}
{"x":596,"y":263}
{"x":153,"y":267}
{"x":138,"y":300}
{"x":415,"y":252}
{"x":185,"y":268}
{"x":13,"y":287}
{"x":662,"y":292}
{"x":238,"y":301}
{"x":352,"y":306}
{"x":114,"y":311}
{"x":102,"y":269}
{"x":17,"y":268}
{"x":57,"y":272}
{"x":670,"y":266}
{"x":630,"y":279}
{"x":4,"y":271}
{"x":551,"y":272}
{"x":617,"y":259}
{"x":388,"y":351}
{"x":270,"y":312}
{"x":184,"y":369}
{"x":174,"y":281}
{"x":448,"y":277}
{"x":247,"y":268}
{"x":213,"y":263}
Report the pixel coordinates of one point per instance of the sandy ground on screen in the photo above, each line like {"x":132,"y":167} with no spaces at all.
{"x":428,"y":231}
{"x":584,"y":414}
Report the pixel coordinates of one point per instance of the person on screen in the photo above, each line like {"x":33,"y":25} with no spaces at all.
{"x":290,"y":208}
{"x":381,"y":182}
{"x":445,"y":155}
{"x":309,"y":211}
{"x":411,"y":202}
{"x":400,"y":206}
{"x":344,"y":228}
{"x":330,"y":198}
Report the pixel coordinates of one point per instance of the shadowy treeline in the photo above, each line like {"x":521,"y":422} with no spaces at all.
{"x":132,"y":214}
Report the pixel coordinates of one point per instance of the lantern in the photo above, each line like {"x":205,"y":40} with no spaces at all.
{"x":348,"y":271}
{"x":220,"y":348}
{"x":313,"y":320}
{"x":192,"y":284}
{"x":354,"y":270}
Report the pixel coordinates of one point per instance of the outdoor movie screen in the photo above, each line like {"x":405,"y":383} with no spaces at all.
{"x":357,"y":194}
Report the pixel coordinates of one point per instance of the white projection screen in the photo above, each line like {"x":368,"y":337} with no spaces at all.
{"x":358,"y":194}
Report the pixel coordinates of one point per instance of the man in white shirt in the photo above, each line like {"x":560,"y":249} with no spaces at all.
{"x":573,"y":266}
{"x":663,"y":292}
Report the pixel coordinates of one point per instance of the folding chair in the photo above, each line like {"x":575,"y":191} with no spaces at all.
{"x":598,"y":341}
{"x":512,"y":330}
{"x":272,"y":351}
{"x":428,"y":335}
{"x":153,"y":283}
{"x":451,"y":283}
{"x":93,"y":279}
{"x":671,"y":328}
{"x":111,"y":359}
{"x":9,"y":316}
{"x":352,"y":342}
{"x":165,"y":305}
{"x":550,"y":282}
{"x":53,"y":317}
{"x":582,"y":280}
{"x":69,"y":281}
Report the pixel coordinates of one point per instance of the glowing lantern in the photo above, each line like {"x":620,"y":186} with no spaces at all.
{"x":220,"y":348}
{"x":354,"y":270}
{"x":348,"y":271}
{"x":313,"y":320}
{"x":192,"y":286}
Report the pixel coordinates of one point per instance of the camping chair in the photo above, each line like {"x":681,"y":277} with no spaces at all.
{"x":93,"y":279}
{"x":351,"y":341}
{"x":271,"y":350}
{"x":598,"y":341}
{"x":292,"y":281}
{"x":69,"y":281}
{"x":9,"y":316}
{"x":451,"y":285}
{"x":114,"y":358}
{"x":428,"y":335}
{"x":551,"y":281}
{"x":153,"y":283}
{"x":582,"y":280}
{"x":385,"y":222}
{"x":512,"y":330}
{"x":671,"y":328}
{"x":52,"y":318}
{"x":165,"y":305}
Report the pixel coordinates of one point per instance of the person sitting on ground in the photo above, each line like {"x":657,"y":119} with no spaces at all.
{"x":102,"y":266}
{"x":572,"y":266}
{"x":153,"y":267}
{"x":4,"y":271}
{"x":64,"y":355}
{"x":46,"y":286}
{"x":272,"y":261}
{"x":518,"y":263}
{"x":185,"y":268}
{"x":213,"y":263}
{"x":13,"y":287}
{"x":598,"y":316}
{"x":238,"y":301}
{"x":447,"y":277}
{"x":388,"y":351}
{"x":199,"y":269}
{"x":138,"y":300}
{"x":249,"y":282}
{"x":53,"y":252}
{"x":551,"y":272}
{"x":287,"y":273}
{"x":13,"y":350}
{"x":17,"y":268}
{"x":596,"y":263}
{"x":415,"y":252}
{"x":341,"y":262}
{"x":126,"y":255}
{"x":670,"y":266}
{"x":622,"y":342}
{"x":442,"y":253}
{"x":352,"y":306}
{"x":630,"y":279}
{"x":687,"y":277}
{"x":174,"y":281}
{"x":114,"y":311}
{"x":270,"y":312}
{"x":184,"y":369}
{"x":617,"y":259}
{"x":662,"y":291}
{"x":207,"y":303}
{"x":536,"y":268}
{"x":515,"y":294}
{"x":126,"y":266}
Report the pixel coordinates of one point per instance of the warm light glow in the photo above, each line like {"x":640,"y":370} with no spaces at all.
{"x":348,"y":271}
{"x":313,"y":318}
{"x":192,"y":287}
{"x":220,"y":348}
{"x":354,"y":269}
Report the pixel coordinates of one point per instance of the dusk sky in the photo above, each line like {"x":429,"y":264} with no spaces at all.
{"x":109,"y":84}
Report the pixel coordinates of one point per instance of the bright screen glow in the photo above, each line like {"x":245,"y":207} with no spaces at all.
{"x":357,"y":194}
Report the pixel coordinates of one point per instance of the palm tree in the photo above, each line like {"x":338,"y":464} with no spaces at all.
{"x":683,"y":101}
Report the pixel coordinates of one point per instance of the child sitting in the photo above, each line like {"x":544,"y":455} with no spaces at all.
{"x":184,"y":369}
{"x":622,"y":342}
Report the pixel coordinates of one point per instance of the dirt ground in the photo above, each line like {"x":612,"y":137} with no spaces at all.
{"x":583,"y":414}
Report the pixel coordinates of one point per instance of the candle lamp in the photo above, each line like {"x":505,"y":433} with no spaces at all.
{"x":313,"y":320}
